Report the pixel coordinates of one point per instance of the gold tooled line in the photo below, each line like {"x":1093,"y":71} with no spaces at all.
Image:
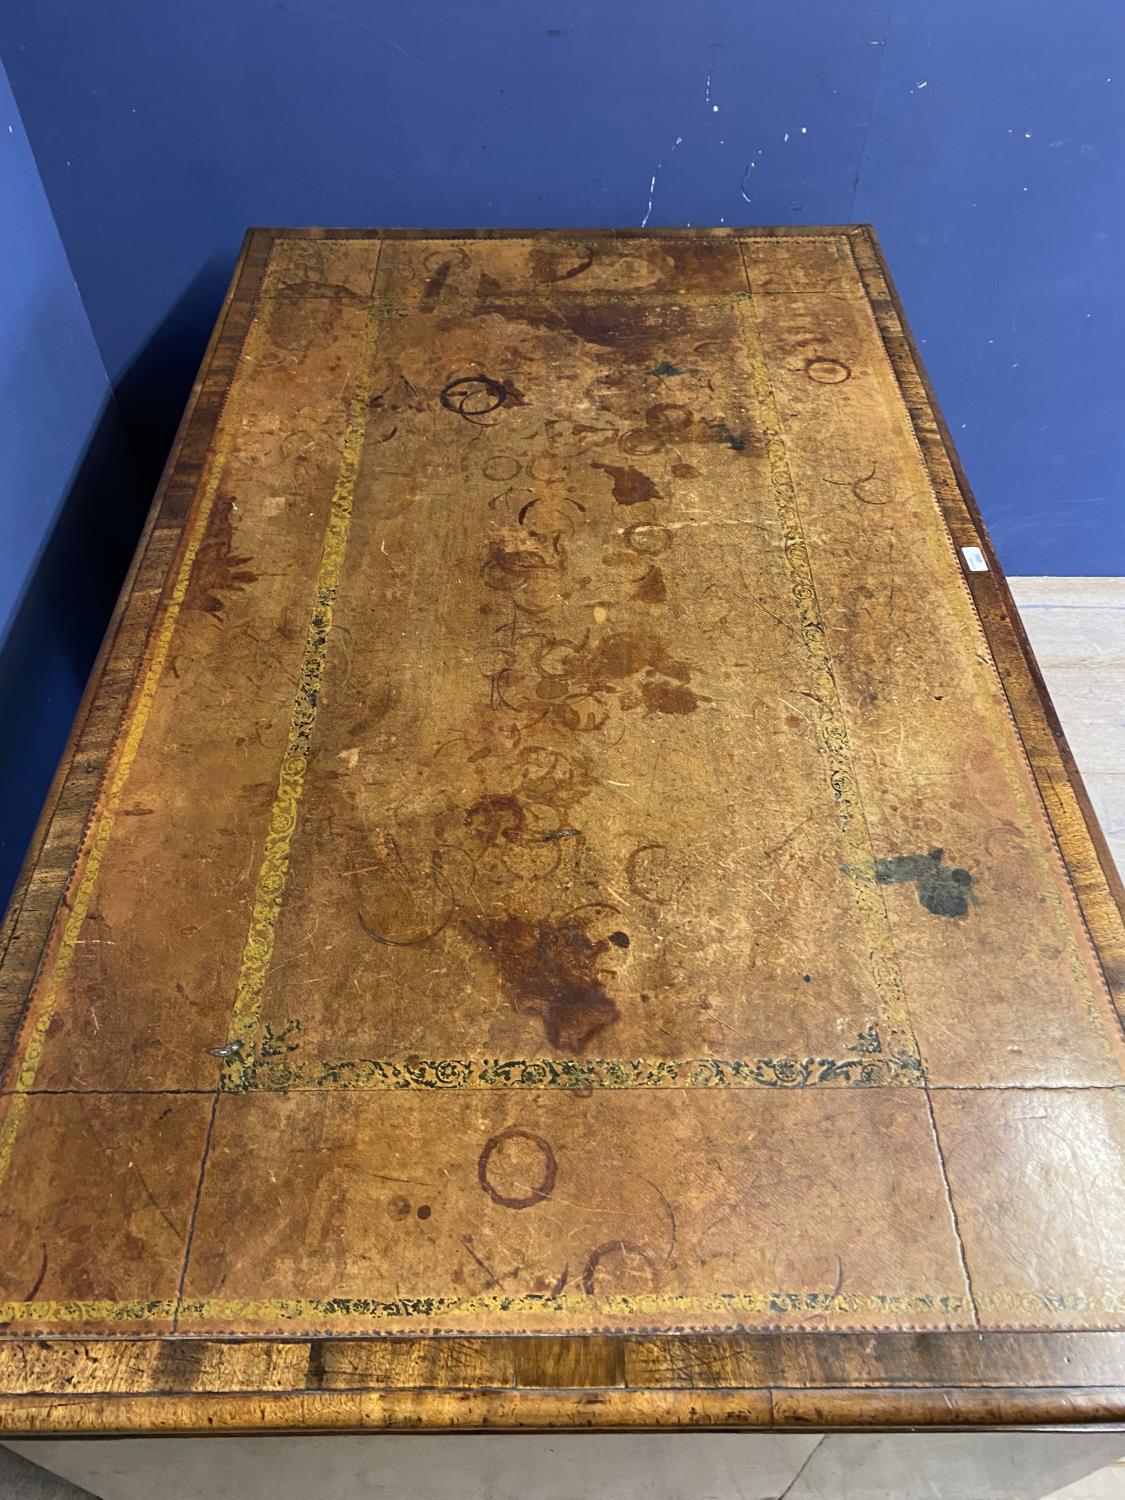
{"x":777,"y":1306}
{"x":868,"y":1069}
{"x":257,"y":952}
{"x":138,"y":1310}
{"x":1031,"y":1301}
{"x":774,"y":1305}
{"x":854,"y":833}
{"x":127,"y":747}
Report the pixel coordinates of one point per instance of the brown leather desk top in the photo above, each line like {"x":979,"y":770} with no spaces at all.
{"x":566,"y":904}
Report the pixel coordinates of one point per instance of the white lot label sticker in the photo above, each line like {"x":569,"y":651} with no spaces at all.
{"x":974,"y":559}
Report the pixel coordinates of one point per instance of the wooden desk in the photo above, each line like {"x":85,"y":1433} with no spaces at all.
{"x":567,"y":904}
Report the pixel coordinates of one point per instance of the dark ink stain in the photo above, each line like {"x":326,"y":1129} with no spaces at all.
{"x":723,"y":434}
{"x":218,"y":569}
{"x":652,"y":589}
{"x":550,"y":968}
{"x":630,"y":486}
{"x":611,"y":1247}
{"x":827,"y":371}
{"x":685,"y":471}
{"x":433,"y":288}
{"x":424,"y":1210}
{"x":546,"y":1185}
{"x":473,"y":396}
{"x":619,"y":939}
{"x":944,"y":890}
{"x":666,"y":368}
{"x":668,"y":698}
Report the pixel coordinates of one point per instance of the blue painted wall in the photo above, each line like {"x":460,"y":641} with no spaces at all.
{"x":63,"y":480}
{"x":984,"y":138}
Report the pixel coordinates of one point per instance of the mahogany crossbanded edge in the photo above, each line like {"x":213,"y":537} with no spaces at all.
{"x":939,"y":1380}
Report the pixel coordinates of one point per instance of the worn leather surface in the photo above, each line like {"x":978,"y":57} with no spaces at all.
{"x":568,"y":862}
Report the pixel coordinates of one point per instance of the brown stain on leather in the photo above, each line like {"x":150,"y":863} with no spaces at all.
{"x":626,"y":652}
{"x":496,"y":817}
{"x":652,"y":588}
{"x":625,"y":329}
{"x":598,"y":324}
{"x":551,"y":968}
{"x":219,"y":570}
{"x":671,"y":424}
{"x":587,"y":674}
{"x":547,"y":1166}
{"x":511,"y":560}
{"x":668,"y":698}
{"x":553,"y":263}
{"x":630,"y":486}
{"x":434,"y":285}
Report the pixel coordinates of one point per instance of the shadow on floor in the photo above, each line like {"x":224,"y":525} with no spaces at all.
{"x":22,"y":1480}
